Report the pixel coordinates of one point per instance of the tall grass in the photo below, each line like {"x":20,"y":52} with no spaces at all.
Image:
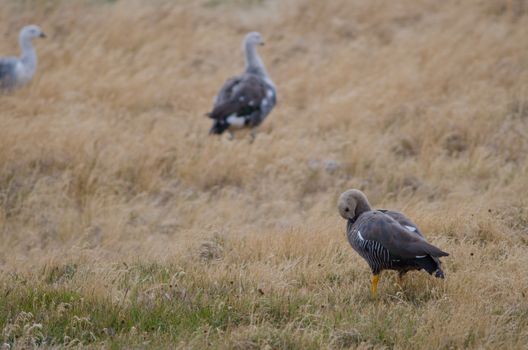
{"x":123,"y":224}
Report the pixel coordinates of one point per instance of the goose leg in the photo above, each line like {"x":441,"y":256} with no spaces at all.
{"x":253,"y":135}
{"x":399,"y":282}
{"x":374,"y":286}
{"x":400,"y":277}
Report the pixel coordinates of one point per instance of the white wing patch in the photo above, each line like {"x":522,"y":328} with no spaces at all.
{"x":360,"y":236}
{"x":235,"y":121}
{"x":410,"y":228}
{"x":420,"y":256}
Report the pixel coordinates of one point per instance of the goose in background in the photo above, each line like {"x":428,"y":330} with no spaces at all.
{"x":245,"y":100}
{"x":18,"y":71}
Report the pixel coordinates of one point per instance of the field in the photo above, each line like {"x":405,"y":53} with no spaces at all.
{"x":123,"y":224}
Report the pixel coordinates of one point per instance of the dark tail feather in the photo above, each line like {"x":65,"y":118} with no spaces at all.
{"x":434,"y":251}
{"x":431,"y":265}
{"x":218,"y":127}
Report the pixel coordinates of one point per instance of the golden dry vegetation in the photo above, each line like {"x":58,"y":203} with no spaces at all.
{"x":124,"y":225}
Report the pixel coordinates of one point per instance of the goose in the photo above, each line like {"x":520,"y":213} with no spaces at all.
{"x":386,"y":239}
{"x":246,"y":100}
{"x":18,"y":71}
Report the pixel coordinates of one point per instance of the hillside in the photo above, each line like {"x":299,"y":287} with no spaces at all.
{"x":125,"y":225}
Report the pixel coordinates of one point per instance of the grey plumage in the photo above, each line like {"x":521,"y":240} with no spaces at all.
{"x":245,"y":100}
{"x":387,"y":240}
{"x":387,"y":245}
{"x":17,"y":71}
{"x":8,"y":72}
{"x":411,"y":226}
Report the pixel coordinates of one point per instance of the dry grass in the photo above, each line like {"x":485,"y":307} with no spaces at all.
{"x":123,"y":224}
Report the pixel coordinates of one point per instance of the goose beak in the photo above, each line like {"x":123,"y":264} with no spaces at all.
{"x":42,"y":35}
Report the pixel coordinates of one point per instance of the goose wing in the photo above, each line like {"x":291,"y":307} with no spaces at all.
{"x":7,"y":72}
{"x":240,"y":96}
{"x":403,"y":220}
{"x":398,"y":240}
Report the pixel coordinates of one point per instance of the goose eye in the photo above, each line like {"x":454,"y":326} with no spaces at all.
{"x":347,"y":210}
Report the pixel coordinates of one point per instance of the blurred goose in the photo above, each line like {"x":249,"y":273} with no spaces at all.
{"x":14,"y":71}
{"x":386,"y":239}
{"x":247,"y":99}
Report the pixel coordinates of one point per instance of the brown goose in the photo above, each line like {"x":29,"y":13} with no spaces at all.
{"x":386,"y":239}
{"x":247,"y":99}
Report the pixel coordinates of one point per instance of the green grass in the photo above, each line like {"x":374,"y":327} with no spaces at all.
{"x":164,"y":314}
{"x":201,"y":311}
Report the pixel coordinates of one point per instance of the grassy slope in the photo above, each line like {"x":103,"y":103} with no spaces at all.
{"x":124,"y":224}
